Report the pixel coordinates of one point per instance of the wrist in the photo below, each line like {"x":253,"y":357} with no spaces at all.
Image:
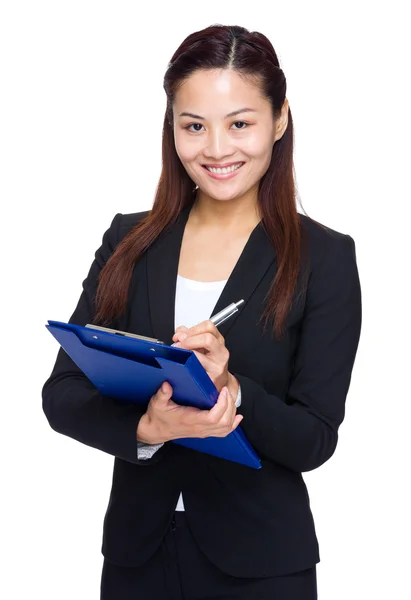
{"x":233,"y":386}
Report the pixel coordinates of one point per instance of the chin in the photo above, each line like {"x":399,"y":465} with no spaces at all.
{"x":223,"y":196}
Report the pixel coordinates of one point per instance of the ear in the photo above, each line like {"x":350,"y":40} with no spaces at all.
{"x":282,"y":121}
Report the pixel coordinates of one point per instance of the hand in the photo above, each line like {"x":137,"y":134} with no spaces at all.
{"x":165,"y":420}
{"x":208,"y":345}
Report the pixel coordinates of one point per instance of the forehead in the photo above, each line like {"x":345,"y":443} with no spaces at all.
{"x":220,"y":90}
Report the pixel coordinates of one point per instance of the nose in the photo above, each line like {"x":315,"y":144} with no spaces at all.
{"x":218,"y":145}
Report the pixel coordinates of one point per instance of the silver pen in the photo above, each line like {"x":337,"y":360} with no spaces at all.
{"x":226,"y":313}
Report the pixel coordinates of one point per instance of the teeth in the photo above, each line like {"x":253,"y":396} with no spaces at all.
{"x":224,"y":169}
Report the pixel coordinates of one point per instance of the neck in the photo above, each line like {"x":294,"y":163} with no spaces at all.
{"x":227,"y":215}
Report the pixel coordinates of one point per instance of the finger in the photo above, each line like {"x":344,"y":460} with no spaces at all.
{"x":179,"y":329}
{"x":214,"y":362}
{"x":224,"y":427}
{"x":220,"y":421}
{"x":237,"y":421}
{"x":216,"y":412}
{"x":202,"y":340}
{"x":203,"y":327}
{"x":230,"y":411}
{"x":206,"y":327}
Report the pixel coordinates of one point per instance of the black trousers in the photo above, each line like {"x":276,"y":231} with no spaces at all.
{"x":180,"y":571}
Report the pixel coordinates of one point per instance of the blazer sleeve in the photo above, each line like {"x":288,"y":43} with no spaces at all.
{"x":300,"y":433}
{"x":72,"y":404}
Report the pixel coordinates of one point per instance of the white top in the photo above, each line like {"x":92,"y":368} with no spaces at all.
{"x":195,"y":300}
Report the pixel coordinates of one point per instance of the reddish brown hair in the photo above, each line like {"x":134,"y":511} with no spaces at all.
{"x":251,"y":55}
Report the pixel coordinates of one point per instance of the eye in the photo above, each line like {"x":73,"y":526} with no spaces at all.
{"x":240,"y":123}
{"x":197,"y":126}
{"x":193,"y":125}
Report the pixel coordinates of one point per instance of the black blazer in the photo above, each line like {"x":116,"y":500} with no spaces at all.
{"x":250,"y":523}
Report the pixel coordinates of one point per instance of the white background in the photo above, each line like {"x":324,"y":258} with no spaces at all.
{"x":81,"y":114}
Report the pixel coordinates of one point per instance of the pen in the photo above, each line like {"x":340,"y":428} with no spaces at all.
{"x":224,"y":314}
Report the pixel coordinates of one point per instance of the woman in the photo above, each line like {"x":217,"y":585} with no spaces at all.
{"x":223,"y":227}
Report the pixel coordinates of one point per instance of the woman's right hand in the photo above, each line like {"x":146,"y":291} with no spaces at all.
{"x":165,"y":420}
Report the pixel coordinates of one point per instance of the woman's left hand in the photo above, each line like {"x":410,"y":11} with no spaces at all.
{"x":208,"y":345}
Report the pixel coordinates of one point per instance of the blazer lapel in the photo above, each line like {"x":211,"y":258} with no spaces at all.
{"x":256,"y":258}
{"x":162,"y":269}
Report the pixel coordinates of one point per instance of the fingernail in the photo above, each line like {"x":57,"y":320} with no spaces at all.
{"x":164,"y":388}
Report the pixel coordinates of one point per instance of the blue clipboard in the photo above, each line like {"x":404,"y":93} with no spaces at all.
{"x":133,"y":369}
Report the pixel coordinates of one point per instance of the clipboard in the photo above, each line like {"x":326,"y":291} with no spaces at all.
{"x":132,"y":368}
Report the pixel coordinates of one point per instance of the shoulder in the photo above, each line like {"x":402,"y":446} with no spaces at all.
{"x":126,"y":222}
{"x":324,"y":244}
{"x":334,"y":287}
{"x":321,"y":235}
{"x":122,"y":224}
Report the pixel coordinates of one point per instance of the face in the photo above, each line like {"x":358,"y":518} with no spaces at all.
{"x":224,"y":132}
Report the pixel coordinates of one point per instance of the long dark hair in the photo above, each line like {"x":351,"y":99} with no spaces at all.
{"x":249,"y":54}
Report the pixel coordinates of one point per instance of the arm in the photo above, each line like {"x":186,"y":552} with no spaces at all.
{"x":72,"y":405}
{"x":301,"y":433}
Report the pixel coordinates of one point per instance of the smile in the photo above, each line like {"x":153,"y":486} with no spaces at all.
{"x":223,"y":172}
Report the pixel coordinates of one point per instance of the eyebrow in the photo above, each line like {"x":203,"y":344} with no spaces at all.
{"x":231,"y":114}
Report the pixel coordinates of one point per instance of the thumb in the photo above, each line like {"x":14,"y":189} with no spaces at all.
{"x":166,"y":390}
{"x":163,"y":394}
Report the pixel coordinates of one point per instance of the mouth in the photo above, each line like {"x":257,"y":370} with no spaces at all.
{"x":224,"y":171}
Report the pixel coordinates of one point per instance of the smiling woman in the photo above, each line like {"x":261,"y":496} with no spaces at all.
{"x":217,"y":147}
{"x":223,"y":227}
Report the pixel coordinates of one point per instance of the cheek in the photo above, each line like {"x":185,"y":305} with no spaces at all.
{"x":187,"y":150}
{"x":259,"y":147}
